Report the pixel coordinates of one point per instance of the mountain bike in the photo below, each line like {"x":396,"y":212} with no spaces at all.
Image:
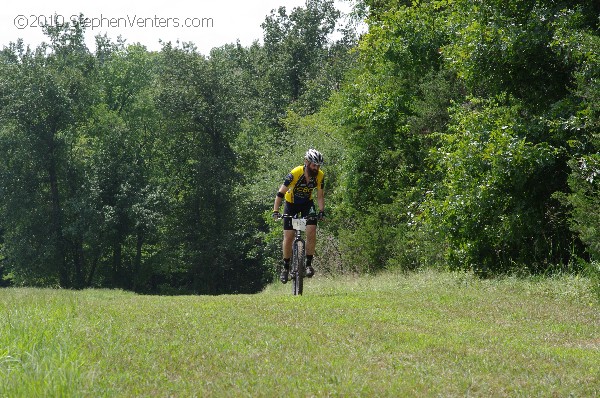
{"x":298,"y":263}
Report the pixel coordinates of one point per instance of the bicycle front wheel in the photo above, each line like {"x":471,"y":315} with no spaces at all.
{"x":298,"y":266}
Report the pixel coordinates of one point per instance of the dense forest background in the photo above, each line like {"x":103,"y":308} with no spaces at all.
{"x":458,"y":134}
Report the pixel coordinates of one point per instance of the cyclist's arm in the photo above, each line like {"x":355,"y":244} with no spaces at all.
{"x":278,"y":199}
{"x":321,"y":199}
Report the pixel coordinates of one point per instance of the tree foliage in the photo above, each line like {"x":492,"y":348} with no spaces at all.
{"x":457,"y":133}
{"x":460,"y":119}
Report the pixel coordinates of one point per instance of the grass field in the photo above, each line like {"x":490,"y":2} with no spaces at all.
{"x":424,"y":334}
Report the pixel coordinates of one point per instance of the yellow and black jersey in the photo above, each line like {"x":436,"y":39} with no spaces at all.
{"x":299,"y":190}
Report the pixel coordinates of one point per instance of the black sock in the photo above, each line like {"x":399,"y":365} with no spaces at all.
{"x":309,"y":259}
{"x":286,"y":263}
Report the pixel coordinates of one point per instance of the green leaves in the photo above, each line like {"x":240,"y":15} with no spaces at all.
{"x":459,"y":122}
{"x":295,"y":48}
{"x":449,"y":132}
{"x":489,"y":200}
{"x":584,"y":198}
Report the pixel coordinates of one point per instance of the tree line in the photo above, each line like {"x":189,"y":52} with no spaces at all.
{"x":457,"y":134}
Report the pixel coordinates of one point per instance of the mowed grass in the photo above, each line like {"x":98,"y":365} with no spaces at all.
{"x":424,"y":334}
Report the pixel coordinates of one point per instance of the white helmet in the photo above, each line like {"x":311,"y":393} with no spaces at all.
{"x":314,"y":156}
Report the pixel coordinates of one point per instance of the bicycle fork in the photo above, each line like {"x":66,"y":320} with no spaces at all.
{"x":298,"y":264}
{"x":299,"y":254}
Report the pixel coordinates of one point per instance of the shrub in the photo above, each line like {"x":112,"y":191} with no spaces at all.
{"x":584,"y":182}
{"x":494,"y":202}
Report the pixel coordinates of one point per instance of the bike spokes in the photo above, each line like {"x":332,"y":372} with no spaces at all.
{"x":298,"y":266}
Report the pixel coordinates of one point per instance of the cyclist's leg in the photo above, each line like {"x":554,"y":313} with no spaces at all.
{"x":288,"y":231}
{"x":311,"y":227}
{"x":311,"y":238}
{"x":288,"y":240}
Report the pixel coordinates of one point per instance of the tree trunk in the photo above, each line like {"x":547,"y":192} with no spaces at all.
{"x":137,"y":264}
{"x":63,"y":271}
{"x":117,"y":256}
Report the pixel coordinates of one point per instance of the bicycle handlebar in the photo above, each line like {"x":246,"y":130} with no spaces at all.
{"x":282,"y":216}
{"x":298,"y":218}
{"x":298,"y":223}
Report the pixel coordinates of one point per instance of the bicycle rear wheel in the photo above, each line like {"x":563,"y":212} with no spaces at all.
{"x":298,"y":267}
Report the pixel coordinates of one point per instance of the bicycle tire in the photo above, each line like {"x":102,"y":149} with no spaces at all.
{"x":298,"y":266}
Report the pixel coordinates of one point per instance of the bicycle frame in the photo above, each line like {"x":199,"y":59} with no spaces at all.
{"x":298,"y":269}
{"x":298,"y":264}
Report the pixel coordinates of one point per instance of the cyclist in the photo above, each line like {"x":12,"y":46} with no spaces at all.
{"x":297,"y":190}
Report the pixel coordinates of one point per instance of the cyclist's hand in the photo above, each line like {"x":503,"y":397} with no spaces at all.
{"x":321,"y":216}
{"x":276,"y":216}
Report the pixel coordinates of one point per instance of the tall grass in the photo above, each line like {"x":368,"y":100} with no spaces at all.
{"x":425,"y":334}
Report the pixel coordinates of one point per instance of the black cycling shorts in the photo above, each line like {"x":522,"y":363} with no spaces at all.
{"x":304,"y":209}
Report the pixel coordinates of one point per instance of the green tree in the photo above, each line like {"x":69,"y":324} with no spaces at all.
{"x":120,"y":136}
{"x":198,"y":98}
{"x":385,"y":108}
{"x":506,"y":56}
{"x":292,"y":75}
{"x":576,"y":39}
{"x":44,"y":95}
{"x":422,"y":68}
{"x":490,"y":205}
{"x":295,"y":51}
